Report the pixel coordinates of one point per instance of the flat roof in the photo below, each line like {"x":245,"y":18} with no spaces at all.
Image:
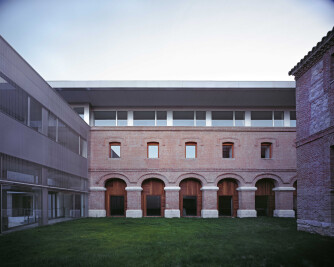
{"x":172,"y":84}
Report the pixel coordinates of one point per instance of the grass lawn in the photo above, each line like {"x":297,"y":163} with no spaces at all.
{"x":167,"y":242}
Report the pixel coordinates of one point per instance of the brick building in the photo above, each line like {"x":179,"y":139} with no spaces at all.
{"x":188,"y":148}
{"x":314,"y":76}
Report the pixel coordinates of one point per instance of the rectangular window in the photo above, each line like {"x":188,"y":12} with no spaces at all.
{"x":239,"y":118}
{"x":191,"y":150}
{"x":183,"y":118}
{"x":52,"y":126}
{"x":200,"y":118}
{"x":262,"y":118}
{"x":153,"y":150}
{"x":293,"y":119}
{"x":83,"y":147}
{"x":115,"y":150}
{"x":35,"y":115}
{"x":161,"y":118}
{"x":222,"y":118}
{"x":266,"y":150}
{"x":143,"y":118}
{"x":122,"y":118}
{"x":80,"y":111}
{"x":228,"y":150}
{"x":105,"y":118}
{"x":278,"y":118}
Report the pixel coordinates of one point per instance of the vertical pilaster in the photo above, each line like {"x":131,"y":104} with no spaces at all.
{"x":284,"y":202}
{"x":97,"y":202}
{"x":209,"y":205}
{"x":246,"y":202}
{"x":172,"y":201}
{"x":134,"y":202}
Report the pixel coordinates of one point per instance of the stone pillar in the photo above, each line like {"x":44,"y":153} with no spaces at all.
{"x":134,"y":202}
{"x":284,"y":202}
{"x":209,"y":207}
{"x":97,"y":204}
{"x":246,"y":201}
{"x":172,"y":209}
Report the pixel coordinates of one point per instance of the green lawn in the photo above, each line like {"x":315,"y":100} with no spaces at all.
{"x":167,"y":242}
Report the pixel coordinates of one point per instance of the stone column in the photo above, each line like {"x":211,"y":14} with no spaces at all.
{"x":209,"y":207}
{"x":97,"y":202}
{"x":284,"y":202}
{"x":246,"y":201}
{"x":172,"y":209}
{"x":133,"y":196}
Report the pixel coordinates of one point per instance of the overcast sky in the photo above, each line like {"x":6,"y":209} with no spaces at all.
{"x":164,"y":40}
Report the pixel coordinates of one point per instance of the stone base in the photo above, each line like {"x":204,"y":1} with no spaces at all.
{"x":322,"y":228}
{"x":209,"y":213}
{"x":97,"y":213}
{"x":134,"y":213}
{"x":246,"y":213}
{"x":284,"y":213}
{"x":172,"y":213}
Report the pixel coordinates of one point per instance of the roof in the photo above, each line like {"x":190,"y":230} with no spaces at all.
{"x":317,"y":51}
{"x":172,"y":84}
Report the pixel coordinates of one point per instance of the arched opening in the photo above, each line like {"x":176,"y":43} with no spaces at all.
{"x":115,"y":197}
{"x":153,"y":197}
{"x":295,"y":198}
{"x":265,"y":197}
{"x":227,"y":197}
{"x":190,"y":197}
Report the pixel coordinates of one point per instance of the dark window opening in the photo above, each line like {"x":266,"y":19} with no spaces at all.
{"x":189,"y":206}
{"x":261,"y":205}
{"x":265,"y":150}
{"x":153,"y":205}
{"x":117,"y":205}
{"x":225,"y":206}
{"x":227,"y":150}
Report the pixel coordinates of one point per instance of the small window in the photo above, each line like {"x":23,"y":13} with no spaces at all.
{"x":200,"y":118}
{"x":262,"y":118}
{"x":228,"y":150}
{"x":161,"y":118}
{"x":266,"y":150}
{"x":183,"y":118}
{"x":191,"y":150}
{"x":115,"y":150}
{"x":222,"y":118}
{"x":143,"y":118}
{"x":278,"y":118}
{"x":152,"y":150}
{"x":292,"y":118}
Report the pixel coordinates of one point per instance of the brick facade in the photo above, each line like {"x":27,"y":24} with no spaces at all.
{"x":315,"y":138}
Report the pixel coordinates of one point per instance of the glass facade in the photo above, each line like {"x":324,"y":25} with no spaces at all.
{"x":262,"y":118}
{"x":144,"y":118}
{"x":222,"y":118}
{"x":35,"y":118}
{"x":183,"y":118}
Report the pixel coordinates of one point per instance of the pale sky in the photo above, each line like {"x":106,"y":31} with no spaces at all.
{"x":165,"y":39}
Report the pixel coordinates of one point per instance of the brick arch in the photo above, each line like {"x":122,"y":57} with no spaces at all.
{"x":237,"y":177}
{"x":278,"y":180}
{"x":104,"y":178}
{"x":151,"y":176}
{"x":293,"y":180}
{"x":191,"y":175}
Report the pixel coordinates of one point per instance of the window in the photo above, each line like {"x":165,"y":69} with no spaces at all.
{"x":105,"y":118}
{"x":35,"y":121}
{"x":292,"y":118}
{"x":200,"y":118}
{"x":266,"y":151}
{"x":161,"y":118}
{"x":278,"y":118}
{"x":152,"y":150}
{"x":239,"y":118}
{"x":143,"y":118}
{"x":222,"y":118}
{"x":122,"y":118}
{"x":115,"y":150}
{"x":228,"y":152}
{"x":191,"y":150}
{"x":183,"y":118}
{"x":262,"y":118}
{"x":80,"y":111}
{"x":52,"y":126}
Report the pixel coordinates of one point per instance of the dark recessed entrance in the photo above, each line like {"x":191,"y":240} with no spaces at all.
{"x":261,"y":205}
{"x":116,"y":205}
{"x":153,"y":206}
{"x":189,"y":206}
{"x":225,"y":206}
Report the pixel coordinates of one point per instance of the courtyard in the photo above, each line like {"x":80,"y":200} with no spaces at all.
{"x":167,"y":242}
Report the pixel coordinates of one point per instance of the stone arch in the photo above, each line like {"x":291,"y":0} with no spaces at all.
{"x":237,"y":177}
{"x":191,"y":175}
{"x":104,"y":178}
{"x":150,"y":176}
{"x":278,"y":180}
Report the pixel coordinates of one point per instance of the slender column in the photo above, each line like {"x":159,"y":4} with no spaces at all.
{"x":44,"y":205}
{"x":97,"y":202}
{"x":209,"y":207}
{"x":134,"y":202}
{"x":284,"y":202}
{"x":246,"y":202}
{"x":172,"y":209}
